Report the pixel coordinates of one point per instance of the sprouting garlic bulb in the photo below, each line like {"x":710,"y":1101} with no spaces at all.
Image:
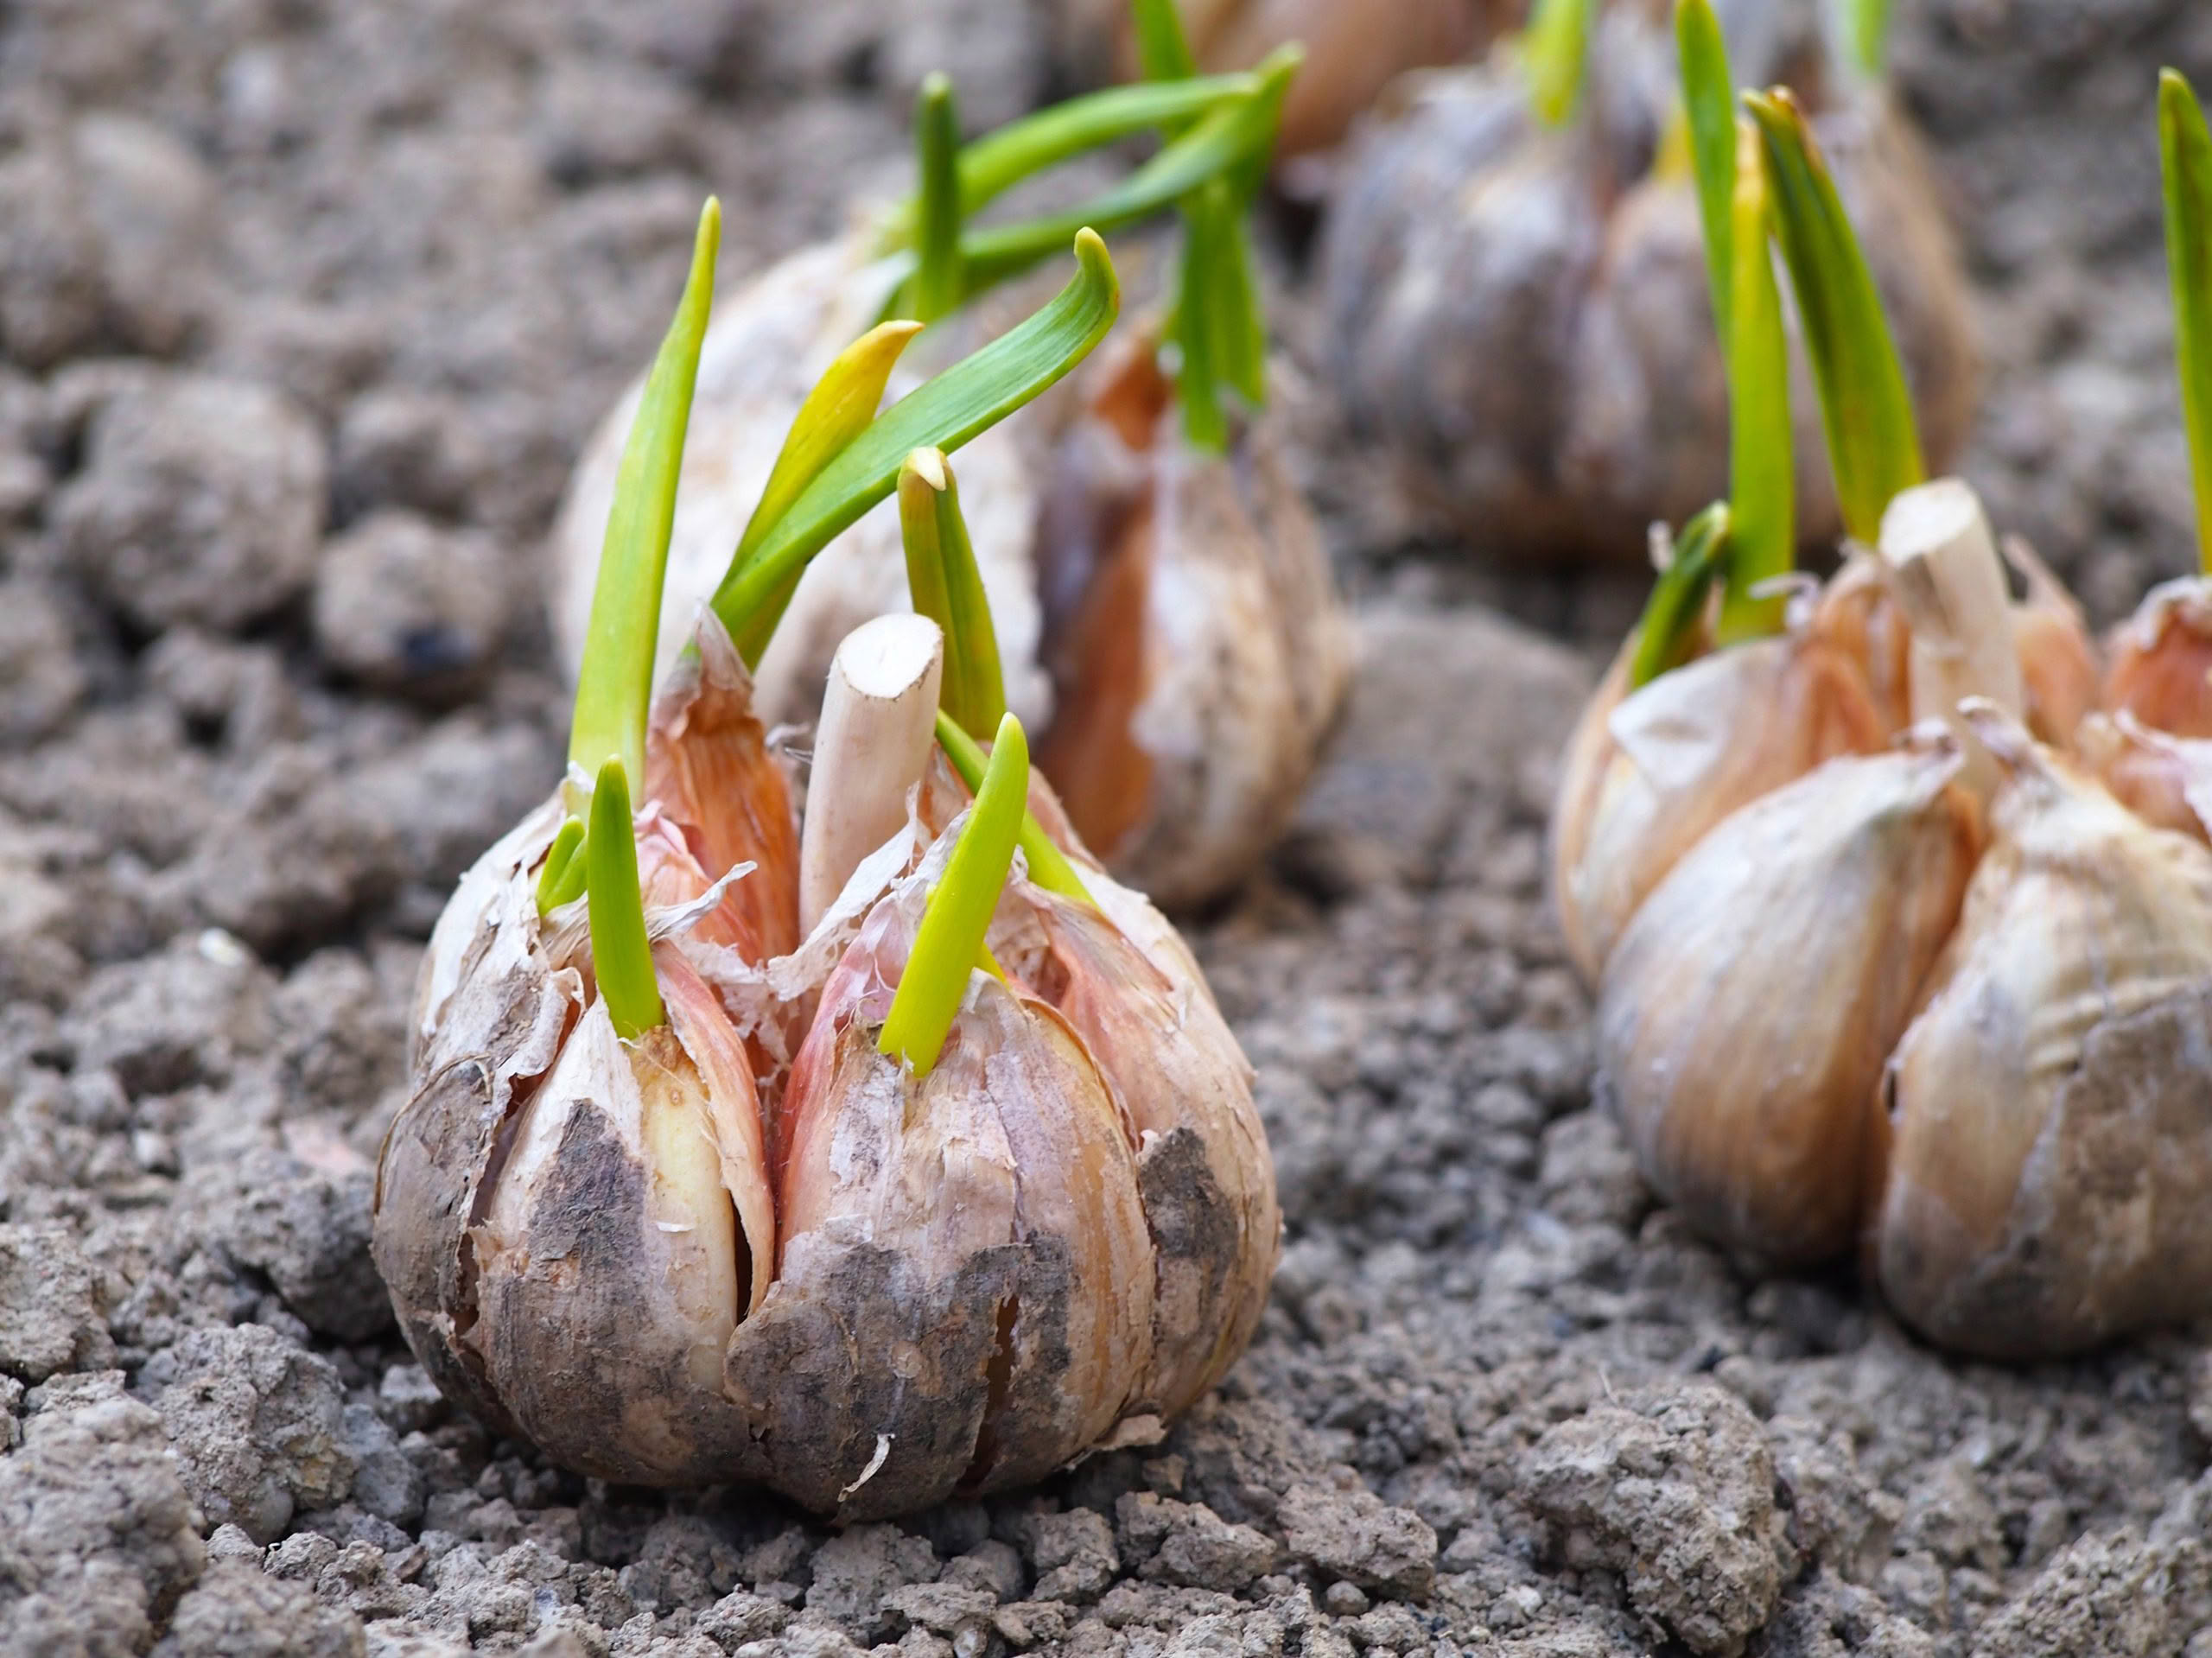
{"x":1167,"y":620}
{"x":1193,"y":631}
{"x":1353,"y":48}
{"x":2049,"y":1127}
{"x":1746,"y":1012}
{"x":1649,"y":773}
{"x":747,"y":1247}
{"x":1522,"y":316}
{"x":766,"y":346}
{"x":2161,"y":669}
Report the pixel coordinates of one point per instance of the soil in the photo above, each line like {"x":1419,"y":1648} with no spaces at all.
{"x":305,"y":309}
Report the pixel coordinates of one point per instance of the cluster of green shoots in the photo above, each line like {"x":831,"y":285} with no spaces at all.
{"x":1219,"y":133}
{"x":841,"y":458}
{"x":1762,"y":182}
{"x":2185,"y":159}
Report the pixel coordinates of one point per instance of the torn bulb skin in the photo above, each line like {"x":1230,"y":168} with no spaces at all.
{"x":1199,"y":650}
{"x":747,"y":1245}
{"x":2161,"y":658}
{"x":1519,"y":313}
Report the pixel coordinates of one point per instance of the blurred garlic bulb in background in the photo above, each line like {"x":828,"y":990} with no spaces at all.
{"x":1518,"y":311}
{"x":1745,"y":1015}
{"x":2049,"y":1124}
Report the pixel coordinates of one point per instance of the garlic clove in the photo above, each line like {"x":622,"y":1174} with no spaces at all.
{"x":1199,"y":651}
{"x":2050,"y":1134}
{"x":964,"y":1298}
{"x":1204,"y":1173}
{"x":1744,"y":1016}
{"x":1678,"y":756}
{"x":2161,"y":659}
{"x":611,"y":1267}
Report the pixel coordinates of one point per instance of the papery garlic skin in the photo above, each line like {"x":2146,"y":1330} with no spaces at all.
{"x":963,"y":1262}
{"x":2161,"y":659}
{"x":2165,"y":780}
{"x":1744,"y":1017}
{"x":2059,"y":666}
{"x":1194,"y":632}
{"x":1649,"y":773}
{"x":768,"y":343}
{"x":2049,"y":1123}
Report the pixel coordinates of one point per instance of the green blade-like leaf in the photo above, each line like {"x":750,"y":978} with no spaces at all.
{"x":1163,"y":51}
{"x":614,"y":682}
{"x":1555,"y":57}
{"x":1677,"y":602}
{"x":1762,"y":473}
{"x":621,"y":954}
{"x":949,"y":943}
{"x":560,"y":879}
{"x":1229,"y":138}
{"x":947,"y":589}
{"x":944,"y":414}
{"x":1709,"y":106}
{"x":998,"y":161}
{"x":1866,"y":27}
{"x":1866,"y":409}
{"x":2186,"y":154}
{"x":938,"y":282}
{"x":1048,"y":865}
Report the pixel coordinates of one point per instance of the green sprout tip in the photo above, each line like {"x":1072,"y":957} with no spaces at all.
{"x":621,"y":954}
{"x":1874,"y":440}
{"x":1667,"y":631}
{"x":561,"y":880}
{"x":2185,"y":156}
{"x":614,"y":682}
{"x":946,"y":587}
{"x":1761,"y":472}
{"x":949,"y":943}
{"x":937,"y":286}
{"x":1555,"y":57}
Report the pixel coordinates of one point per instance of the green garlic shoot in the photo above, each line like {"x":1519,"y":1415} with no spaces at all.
{"x":1048,"y":865}
{"x":621,"y":954}
{"x":1555,"y":57}
{"x":1709,"y":111}
{"x":2185,"y":157}
{"x":937,"y":285}
{"x":1678,"y":598}
{"x":946,"y":587}
{"x":949,"y":943}
{"x":1865,"y":25}
{"x":1867,"y":415}
{"x":1762,"y":473}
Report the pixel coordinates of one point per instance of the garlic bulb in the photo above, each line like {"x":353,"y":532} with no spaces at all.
{"x":746,"y":1245}
{"x":1521,"y":314}
{"x":1194,"y":630}
{"x":2049,"y":1131}
{"x":1745,"y":1014}
{"x":2161,"y":669}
